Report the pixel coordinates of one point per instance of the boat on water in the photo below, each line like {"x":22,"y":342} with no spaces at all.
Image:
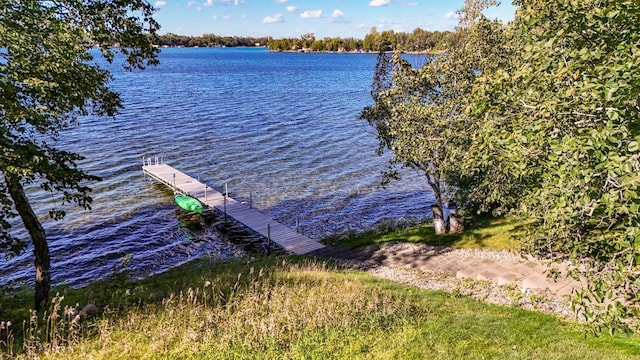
{"x":188,"y":203}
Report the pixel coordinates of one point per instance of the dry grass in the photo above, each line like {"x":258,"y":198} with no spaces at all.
{"x":264,"y":309}
{"x":285,"y":308}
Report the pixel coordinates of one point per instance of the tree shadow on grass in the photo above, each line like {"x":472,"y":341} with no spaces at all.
{"x":485,"y":232}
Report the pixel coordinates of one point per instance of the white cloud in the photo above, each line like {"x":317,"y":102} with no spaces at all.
{"x":311,"y":14}
{"x":218,"y":18}
{"x":379,"y":2}
{"x":281,"y":1}
{"x":451,"y":15}
{"x":338,"y":17}
{"x":160,"y":3}
{"x":292,"y":9}
{"x":278,"y":18}
{"x":210,"y":3}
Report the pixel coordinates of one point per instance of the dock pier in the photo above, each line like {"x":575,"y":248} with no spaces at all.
{"x":290,"y":240}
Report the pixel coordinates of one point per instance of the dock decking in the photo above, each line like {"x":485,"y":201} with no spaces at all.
{"x":288,"y":239}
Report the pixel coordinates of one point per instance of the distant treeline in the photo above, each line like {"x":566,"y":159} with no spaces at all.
{"x":417,"y":41}
{"x":209,"y":40}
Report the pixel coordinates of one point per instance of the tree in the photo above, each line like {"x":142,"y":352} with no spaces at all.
{"x":371,"y":39}
{"x":405,"y":103}
{"x":419,"y":114}
{"x":567,"y":114}
{"x":48,"y":80}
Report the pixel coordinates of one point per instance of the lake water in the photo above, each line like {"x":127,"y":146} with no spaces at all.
{"x":281,"y":126}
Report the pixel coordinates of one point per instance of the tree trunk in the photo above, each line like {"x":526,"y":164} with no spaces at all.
{"x":456,"y":224}
{"x":439,"y":226}
{"x":436,"y":211}
{"x":438,"y":222}
{"x":38,"y":236}
{"x":434,"y":182}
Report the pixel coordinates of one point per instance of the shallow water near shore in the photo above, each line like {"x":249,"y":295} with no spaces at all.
{"x":281,"y":128}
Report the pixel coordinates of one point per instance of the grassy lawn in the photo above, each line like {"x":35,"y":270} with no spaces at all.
{"x":480,"y":233}
{"x":280,"y":308}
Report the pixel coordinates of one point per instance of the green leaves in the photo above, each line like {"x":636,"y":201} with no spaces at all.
{"x":47,"y":81}
{"x":422,"y":114}
{"x":569,"y":125}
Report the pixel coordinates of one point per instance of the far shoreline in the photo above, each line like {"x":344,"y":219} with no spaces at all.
{"x":307,"y":51}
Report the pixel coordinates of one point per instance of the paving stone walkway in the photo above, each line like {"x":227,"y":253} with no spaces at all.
{"x":528,"y":275}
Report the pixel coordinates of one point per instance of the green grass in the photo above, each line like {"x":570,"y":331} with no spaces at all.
{"x":285,"y":308}
{"x":480,"y":233}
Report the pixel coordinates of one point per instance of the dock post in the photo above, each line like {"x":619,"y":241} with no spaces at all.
{"x":205,"y":193}
{"x":174,"y":181}
{"x":225,"y":202}
{"x":297,"y":224}
{"x":250,"y":199}
{"x":269,"y":235}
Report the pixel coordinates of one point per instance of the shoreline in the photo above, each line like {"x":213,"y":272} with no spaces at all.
{"x":306,"y":51}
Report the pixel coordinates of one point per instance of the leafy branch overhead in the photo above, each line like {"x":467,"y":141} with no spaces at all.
{"x":420,"y":112}
{"x":49,"y":79}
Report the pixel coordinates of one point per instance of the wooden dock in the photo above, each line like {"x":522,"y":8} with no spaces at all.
{"x":288,"y":239}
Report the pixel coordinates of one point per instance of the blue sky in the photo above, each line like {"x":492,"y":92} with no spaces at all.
{"x":293,"y":18}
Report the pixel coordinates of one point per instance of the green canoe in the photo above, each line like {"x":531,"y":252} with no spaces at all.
{"x":188,"y":203}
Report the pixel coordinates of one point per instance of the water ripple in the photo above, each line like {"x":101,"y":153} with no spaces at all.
{"x":280,"y":128}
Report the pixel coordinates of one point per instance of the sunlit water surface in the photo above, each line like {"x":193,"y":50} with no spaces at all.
{"x":281,"y":126}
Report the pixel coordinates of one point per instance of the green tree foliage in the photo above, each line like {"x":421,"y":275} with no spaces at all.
{"x":312,"y":44}
{"x":208,"y":40}
{"x":407,"y":118}
{"x":566,"y":113}
{"x":47,"y":80}
{"x":418,"y":41}
{"x":419,"y":113}
{"x":484,"y":181}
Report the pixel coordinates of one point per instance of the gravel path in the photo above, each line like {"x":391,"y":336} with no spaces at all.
{"x":483,"y":290}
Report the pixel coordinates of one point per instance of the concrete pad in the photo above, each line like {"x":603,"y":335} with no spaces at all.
{"x":451,"y":266}
{"x":507,"y":278}
{"x":487,"y":275}
{"x":534,"y":282}
{"x":466,"y":273}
